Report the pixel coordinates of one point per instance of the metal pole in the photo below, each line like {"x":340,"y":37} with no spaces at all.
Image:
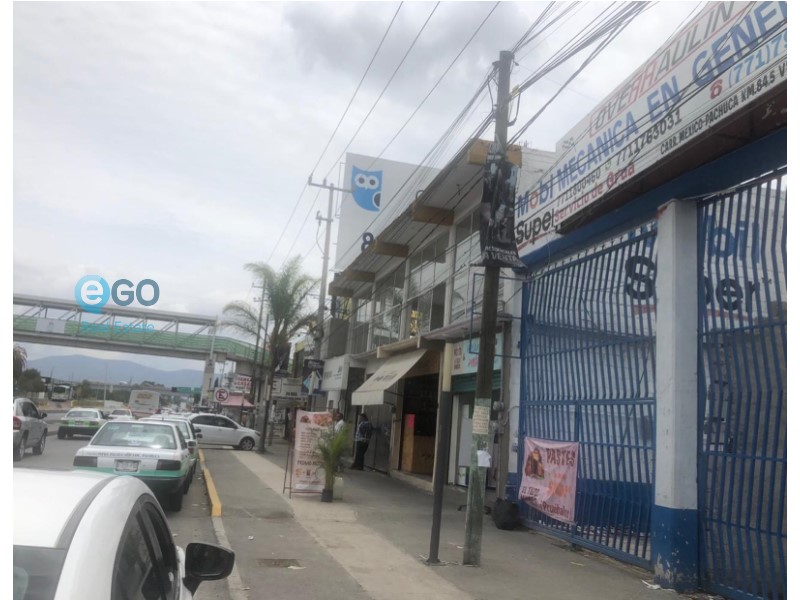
{"x":442,"y":452}
{"x":255,"y":359}
{"x":483,"y":385}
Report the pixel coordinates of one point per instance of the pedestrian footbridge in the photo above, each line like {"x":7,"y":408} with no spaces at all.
{"x":41,"y":320}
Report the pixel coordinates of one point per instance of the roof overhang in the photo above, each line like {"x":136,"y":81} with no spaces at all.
{"x":456,"y":187}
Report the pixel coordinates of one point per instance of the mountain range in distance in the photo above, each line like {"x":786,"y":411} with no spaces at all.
{"x":78,"y":368}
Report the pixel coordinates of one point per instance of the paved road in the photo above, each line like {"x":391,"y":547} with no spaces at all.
{"x":192,"y":523}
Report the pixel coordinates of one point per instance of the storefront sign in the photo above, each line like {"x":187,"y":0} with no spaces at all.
{"x":465,"y":356}
{"x":242,"y":383}
{"x":287,"y":388}
{"x":549,"y":477}
{"x":379,"y":190}
{"x":730,"y":55}
{"x":308,"y":473}
{"x":335,"y":373}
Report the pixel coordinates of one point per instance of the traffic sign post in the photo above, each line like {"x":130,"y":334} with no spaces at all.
{"x":220,"y":394}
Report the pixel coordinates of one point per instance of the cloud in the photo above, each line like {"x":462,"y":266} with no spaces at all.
{"x":173,"y":140}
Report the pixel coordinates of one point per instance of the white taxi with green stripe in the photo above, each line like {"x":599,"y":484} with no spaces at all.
{"x":156,"y":453}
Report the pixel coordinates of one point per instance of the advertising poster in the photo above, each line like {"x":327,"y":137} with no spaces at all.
{"x":312,"y":376}
{"x":308,"y":474}
{"x":498,"y":247}
{"x":549,"y":478}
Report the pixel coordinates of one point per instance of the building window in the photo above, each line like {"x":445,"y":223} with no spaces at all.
{"x":388,"y":304}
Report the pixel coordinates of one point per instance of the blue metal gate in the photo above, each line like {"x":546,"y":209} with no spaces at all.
{"x":742,"y":468}
{"x":588,"y":375}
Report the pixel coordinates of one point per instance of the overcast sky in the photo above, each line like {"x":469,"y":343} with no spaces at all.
{"x":172,"y":140}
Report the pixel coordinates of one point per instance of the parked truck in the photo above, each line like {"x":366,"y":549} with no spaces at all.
{"x":144,"y":403}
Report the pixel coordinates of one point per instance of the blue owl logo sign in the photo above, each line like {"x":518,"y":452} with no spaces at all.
{"x":366,"y":187}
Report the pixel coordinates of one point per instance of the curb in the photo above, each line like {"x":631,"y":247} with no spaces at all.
{"x":216,"y":504}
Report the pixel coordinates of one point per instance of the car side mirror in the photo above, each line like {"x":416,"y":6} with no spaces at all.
{"x":191,"y":443}
{"x":42,"y":415}
{"x":197,"y":429}
{"x":198,"y":435}
{"x":206,"y":562}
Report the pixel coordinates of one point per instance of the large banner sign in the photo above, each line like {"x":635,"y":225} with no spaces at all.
{"x":729,"y":56}
{"x":308,"y":474}
{"x":498,"y":248}
{"x":379,"y":191}
{"x":550,"y":477}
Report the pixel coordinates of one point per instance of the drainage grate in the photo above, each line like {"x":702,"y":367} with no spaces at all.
{"x":277,"y":562}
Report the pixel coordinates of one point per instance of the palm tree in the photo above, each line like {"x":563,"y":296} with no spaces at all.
{"x":286,"y":295}
{"x":20,"y":361}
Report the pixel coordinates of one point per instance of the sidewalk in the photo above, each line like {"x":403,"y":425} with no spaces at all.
{"x":373,"y":543}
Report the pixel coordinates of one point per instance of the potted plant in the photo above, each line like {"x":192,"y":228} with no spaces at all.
{"x":331,"y":447}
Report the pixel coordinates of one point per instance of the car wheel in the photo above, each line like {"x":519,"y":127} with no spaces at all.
{"x":39,"y":448}
{"x":19,"y":451}
{"x":175,"y":500}
{"x":61,"y":435}
{"x":247,"y":444}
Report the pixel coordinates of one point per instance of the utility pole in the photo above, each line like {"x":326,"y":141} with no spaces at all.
{"x":256,"y":370}
{"x":483,"y":385}
{"x":325,"y":256}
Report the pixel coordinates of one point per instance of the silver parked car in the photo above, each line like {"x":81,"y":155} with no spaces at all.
{"x":30,"y":428}
{"x":219,"y":430}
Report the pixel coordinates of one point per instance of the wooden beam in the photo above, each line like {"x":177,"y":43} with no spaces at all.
{"x":389,"y":249}
{"x":360,"y":276}
{"x":339,"y":292}
{"x":480,"y":149}
{"x":431,"y":214}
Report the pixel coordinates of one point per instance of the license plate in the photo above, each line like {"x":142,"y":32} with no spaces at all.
{"x":126,"y":466}
{"x":81,"y":423}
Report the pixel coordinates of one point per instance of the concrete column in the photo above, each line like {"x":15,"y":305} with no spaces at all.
{"x":371,"y":315}
{"x":674,"y":519}
{"x":405,"y":311}
{"x":207,"y":393}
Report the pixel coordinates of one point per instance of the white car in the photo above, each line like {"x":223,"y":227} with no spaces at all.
{"x":187,"y":430}
{"x":156,"y":453}
{"x":106,"y":538}
{"x":121,"y":414}
{"x":219,"y":430}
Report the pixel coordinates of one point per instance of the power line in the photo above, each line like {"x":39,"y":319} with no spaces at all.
{"x":364,"y":120}
{"x":385,"y":87}
{"x":336,"y":129}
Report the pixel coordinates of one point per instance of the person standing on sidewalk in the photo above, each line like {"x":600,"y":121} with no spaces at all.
{"x":338,"y":419}
{"x":363,"y":433}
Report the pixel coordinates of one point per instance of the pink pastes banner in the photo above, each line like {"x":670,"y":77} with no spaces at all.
{"x":549,"y":477}
{"x":308,"y":474}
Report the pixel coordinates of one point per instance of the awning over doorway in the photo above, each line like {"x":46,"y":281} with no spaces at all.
{"x":389,"y":373}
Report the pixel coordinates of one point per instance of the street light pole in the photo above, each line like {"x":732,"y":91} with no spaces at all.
{"x":486,"y":351}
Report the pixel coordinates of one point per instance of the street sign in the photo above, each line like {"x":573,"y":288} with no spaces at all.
{"x":220,"y":394}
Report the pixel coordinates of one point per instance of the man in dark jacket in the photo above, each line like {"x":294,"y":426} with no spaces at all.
{"x":363,"y":434}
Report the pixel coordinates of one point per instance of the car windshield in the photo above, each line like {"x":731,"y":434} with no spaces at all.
{"x":182,"y":426}
{"x":36,"y":572}
{"x":135,"y":435}
{"x":81,"y":414}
